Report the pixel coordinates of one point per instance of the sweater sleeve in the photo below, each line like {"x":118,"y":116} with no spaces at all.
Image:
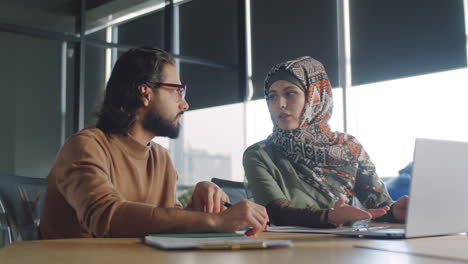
{"x":84,"y":181}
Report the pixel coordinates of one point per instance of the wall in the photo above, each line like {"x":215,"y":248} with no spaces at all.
{"x":30,"y":98}
{"x":7,"y":105}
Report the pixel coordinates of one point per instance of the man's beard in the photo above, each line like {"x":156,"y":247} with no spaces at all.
{"x":159,"y":126}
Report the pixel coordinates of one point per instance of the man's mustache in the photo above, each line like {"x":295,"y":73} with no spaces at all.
{"x":180,"y":114}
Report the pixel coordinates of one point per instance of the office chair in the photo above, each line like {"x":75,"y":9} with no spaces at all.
{"x":22,"y":199}
{"x":236,"y":191}
{"x":5,"y":231}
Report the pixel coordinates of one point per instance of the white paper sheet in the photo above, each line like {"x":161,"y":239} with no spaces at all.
{"x":301,"y":229}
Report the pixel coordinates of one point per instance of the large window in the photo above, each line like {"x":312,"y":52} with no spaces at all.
{"x":399,"y":68}
{"x":214,"y":143}
{"x":387,"y":116}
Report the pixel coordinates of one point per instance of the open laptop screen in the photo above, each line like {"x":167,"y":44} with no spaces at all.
{"x":438,"y":190}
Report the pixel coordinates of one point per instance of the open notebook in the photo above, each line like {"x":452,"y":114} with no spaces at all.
{"x":212,"y":241}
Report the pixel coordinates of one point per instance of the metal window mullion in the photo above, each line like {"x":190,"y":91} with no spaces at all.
{"x":63,"y":92}
{"x":168,"y":26}
{"x":78,"y":91}
{"x":172,"y":44}
{"x":343,"y":54}
{"x":242,"y":51}
{"x":465,"y":6}
{"x":115,"y":39}
{"x":248,"y":67}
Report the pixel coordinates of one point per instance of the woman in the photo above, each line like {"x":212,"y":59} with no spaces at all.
{"x":304,"y":173}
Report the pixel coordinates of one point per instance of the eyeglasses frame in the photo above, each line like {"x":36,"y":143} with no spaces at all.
{"x":180,"y":88}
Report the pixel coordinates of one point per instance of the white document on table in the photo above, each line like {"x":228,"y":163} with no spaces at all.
{"x":242,"y":242}
{"x":301,"y":229}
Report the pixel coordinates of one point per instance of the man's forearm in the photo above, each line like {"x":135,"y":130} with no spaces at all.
{"x":138,"y":220}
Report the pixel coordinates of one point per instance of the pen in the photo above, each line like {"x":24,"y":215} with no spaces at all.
{"x":233,"y":246}
{"x":227,"y":204}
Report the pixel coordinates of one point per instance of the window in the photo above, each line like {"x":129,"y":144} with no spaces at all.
{"x":386,"y":117}
{"x":389,"y":40}
{"x":213,"y":141}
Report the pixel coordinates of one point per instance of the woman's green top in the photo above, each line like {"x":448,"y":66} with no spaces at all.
{"x":272,"y":177}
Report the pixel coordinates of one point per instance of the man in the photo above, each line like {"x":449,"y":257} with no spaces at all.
{"x":113,"y":181}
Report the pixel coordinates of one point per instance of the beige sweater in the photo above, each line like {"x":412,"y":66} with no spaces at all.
{"x":107,"y":185}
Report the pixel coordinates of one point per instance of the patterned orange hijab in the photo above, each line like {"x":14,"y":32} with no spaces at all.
{"x":328,"y":161}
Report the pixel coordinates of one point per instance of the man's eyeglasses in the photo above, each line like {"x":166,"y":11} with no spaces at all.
{"x":180,"y":88}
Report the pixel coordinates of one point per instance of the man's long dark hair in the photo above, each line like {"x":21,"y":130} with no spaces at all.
{"x":122,"y":98}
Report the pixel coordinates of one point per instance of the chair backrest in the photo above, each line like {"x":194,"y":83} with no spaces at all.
{"x":5,"y":231}
{"x":235,"y":190}
{"x":22,"y":198}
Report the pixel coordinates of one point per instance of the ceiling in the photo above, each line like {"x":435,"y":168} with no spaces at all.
{"x":59,"y":15}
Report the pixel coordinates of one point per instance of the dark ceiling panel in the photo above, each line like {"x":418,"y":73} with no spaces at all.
{"x":147,"y":30}
{"x":208,"y":29}
{"x":400,"y":38}
{"x":207,"y":87}
{"x":55,"y":15}
{"x":286,"y":30}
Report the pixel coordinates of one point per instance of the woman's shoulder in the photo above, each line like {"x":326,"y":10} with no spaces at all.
{"x":261,"y":151}
{"x":259,"y":147}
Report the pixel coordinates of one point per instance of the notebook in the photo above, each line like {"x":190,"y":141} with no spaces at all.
{"x":437,"y":204}
{"x":212,"y":241}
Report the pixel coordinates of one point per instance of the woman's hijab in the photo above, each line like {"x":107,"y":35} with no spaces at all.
{"x":327,"y":161}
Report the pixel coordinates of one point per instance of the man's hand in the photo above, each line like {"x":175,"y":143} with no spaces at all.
{"x":208,"y":197}
{"x":343,"y":213}
{"x":243,"y":213}
{"x":399,"y":208}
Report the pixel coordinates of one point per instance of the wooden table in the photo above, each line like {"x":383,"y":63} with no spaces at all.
{"x":308,"y":248}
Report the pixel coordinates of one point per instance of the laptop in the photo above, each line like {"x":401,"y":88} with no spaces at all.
{"x":438,"y":192}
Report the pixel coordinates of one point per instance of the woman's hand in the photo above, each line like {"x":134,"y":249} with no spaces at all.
{"x":208,"y":197}
{"x":343,"y":213}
